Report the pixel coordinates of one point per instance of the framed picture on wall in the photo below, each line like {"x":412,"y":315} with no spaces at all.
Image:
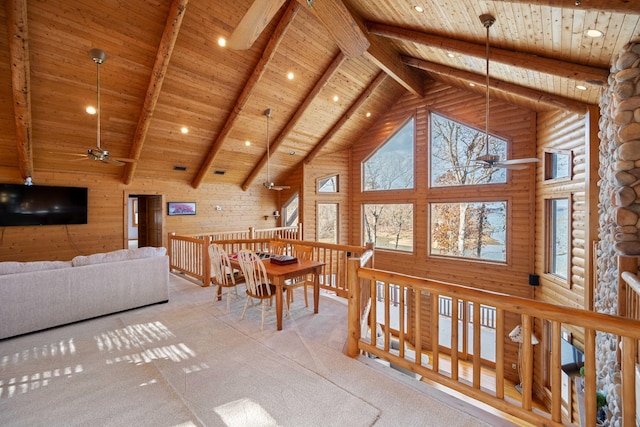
{"x":181,"y":208}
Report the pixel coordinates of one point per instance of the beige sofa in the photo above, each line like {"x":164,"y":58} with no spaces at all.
{"x":41,"y":295}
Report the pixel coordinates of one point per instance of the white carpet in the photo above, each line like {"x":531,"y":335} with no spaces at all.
{"x":188,"y":363}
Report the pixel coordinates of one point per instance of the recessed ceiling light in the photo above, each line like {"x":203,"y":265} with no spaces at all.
{"x":247,"y":143}
{"x":472,"y":84}
{"x":293,"y":153}
{"x":451,"y":55}
{"x":290,"y":75}
{"x":594,"y":33}
{"x":184,"y":129}
{"x":368,"y":113}
{"x":580,"y":87}
{"x":418,"y":9}
{"x":222,"y":42}
{"x":335,"y":98}
{"x":91,"y":110}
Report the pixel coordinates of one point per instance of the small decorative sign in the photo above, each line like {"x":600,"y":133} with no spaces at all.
{"x":181,"y":208}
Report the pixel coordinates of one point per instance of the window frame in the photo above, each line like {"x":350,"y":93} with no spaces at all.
{"x":549,"y":235}
{"x":397,"y":129}
{"x":413,"y":223}
{"x":548,"y":162}
{"x":507,"y":239}
{"x":327,"y":177}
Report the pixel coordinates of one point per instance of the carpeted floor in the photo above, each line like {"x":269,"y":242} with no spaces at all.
{"x":188,"y":363}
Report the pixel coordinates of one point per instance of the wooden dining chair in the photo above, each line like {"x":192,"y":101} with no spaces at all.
{"x":257,"y":281}
{"x":276,"y":247}
{"x":223,"y":275}
{"x":300,"y":252}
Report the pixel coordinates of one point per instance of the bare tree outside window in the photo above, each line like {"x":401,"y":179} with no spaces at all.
{"x":469,"y":229}
{"x":454,"y":150}
{"x":327,"y":222}
{"x":389,"y":226}
{"x":391,"y":167}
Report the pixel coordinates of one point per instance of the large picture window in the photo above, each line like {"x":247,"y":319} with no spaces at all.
{"x":454,"y":150}
{"x":389,"y":226}
{"x":391,"y":167}
{"x":469,"y":230}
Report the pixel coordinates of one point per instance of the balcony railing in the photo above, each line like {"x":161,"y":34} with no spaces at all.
{"x":422,"y":297}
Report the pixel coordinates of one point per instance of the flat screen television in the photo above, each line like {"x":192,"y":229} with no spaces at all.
{"x":42,"y":205}
{"x":571,"y":359}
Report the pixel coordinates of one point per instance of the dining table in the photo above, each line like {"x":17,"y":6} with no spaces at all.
{"x":278,"y":274}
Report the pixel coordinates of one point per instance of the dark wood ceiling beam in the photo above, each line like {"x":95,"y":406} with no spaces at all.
{"x":163,"y":57}
{"x":269,"y":51}
{"x":479,"y":80}
{"x":569,"y":70}
{"x":311,"y":96}
{"x":20,"y":81}
{"x":345,"y":117}
{"x":613,"y":6}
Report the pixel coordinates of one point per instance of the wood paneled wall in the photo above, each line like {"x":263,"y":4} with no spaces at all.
{"x":322,"y":167}
{"x":106,"y":229}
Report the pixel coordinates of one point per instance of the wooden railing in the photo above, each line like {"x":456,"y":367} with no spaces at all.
{"x":364,"y":318}
{"x":188,"y":253}
{"x":334,"y":272}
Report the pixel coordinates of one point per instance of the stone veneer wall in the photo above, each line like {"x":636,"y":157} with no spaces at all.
{"x":619,"y":207}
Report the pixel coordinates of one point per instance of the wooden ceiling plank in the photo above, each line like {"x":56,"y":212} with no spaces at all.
{"x":345,"y":117}
{"x":21,"y":83}
{"x":259,"y":70}
{"x":311,"y":96}
{"x":564,"y":69}
{"x":614,"y":6}
{"x":163,"y":57}
{"x":498,"y":86}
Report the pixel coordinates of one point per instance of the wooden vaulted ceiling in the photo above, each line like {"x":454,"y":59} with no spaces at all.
{"x":165,"y":70}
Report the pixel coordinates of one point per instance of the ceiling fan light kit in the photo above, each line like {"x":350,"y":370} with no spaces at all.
{"x":493,"y":160}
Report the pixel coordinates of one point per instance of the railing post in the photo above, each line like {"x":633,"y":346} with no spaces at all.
{"x":300,"y":236}
{"x":353,"y":304}
{"x":207,"y":261}
{"x":252,"y":232}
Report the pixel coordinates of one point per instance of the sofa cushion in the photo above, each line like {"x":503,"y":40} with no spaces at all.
{"x":118,"y":255}
{"x":13,"y":267}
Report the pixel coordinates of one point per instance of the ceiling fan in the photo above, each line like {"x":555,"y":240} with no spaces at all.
{"x":268,"y":184}
{"x":493,"y":160}
{"x":333,"y":14}
{"x":98,"y":153}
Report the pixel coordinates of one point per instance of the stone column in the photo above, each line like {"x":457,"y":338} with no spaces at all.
{"x":619,"y":209}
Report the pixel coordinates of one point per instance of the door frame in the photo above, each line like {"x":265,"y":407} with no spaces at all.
{"x":126,"y":211}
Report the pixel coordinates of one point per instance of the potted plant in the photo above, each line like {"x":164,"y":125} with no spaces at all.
{"x":601,"y":404}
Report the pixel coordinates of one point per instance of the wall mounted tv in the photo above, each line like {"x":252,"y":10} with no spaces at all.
{"x":42,"y":205}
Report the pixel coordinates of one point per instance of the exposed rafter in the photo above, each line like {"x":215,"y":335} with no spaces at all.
{"x":352,"y":109}
{"x":167,"y":43}
{"x":569,"y":70}
{"x":20,"y":81}
{"x":256,"y":75}
{"x":479,"y":80}
{"x":311,"y":96}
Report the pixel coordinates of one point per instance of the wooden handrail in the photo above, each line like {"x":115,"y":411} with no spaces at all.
{"x":528,"y":310}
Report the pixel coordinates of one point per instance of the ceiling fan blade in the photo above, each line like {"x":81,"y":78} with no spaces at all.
{"x":520,"y":161}
{"x":512,"y":166}
{"x":339,"y":22}
{"x":253,"y":23}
